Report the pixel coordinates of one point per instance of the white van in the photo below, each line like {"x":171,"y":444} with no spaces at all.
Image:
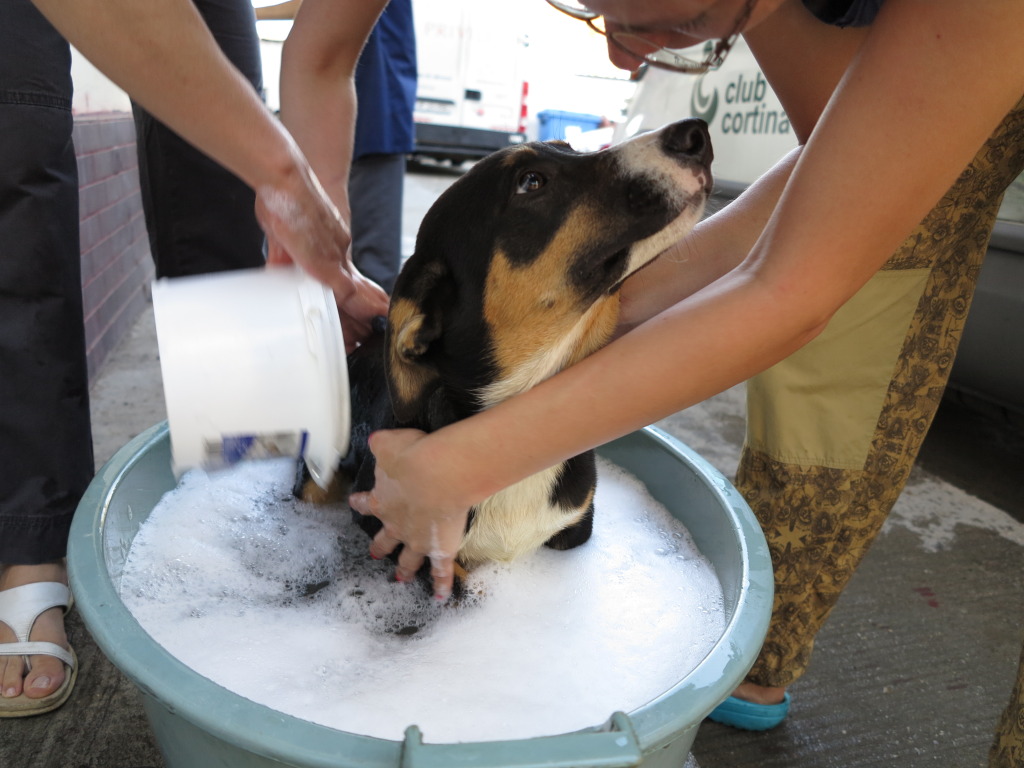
{"x":472,"y":91}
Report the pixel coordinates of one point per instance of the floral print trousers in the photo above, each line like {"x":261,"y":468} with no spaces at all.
{"x":833,"y":431}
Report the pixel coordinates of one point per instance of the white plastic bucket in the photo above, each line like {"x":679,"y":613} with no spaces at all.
{"x":253,"y":365}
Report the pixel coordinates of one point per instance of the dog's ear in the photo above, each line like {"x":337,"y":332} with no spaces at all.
{"x":414,"y":323}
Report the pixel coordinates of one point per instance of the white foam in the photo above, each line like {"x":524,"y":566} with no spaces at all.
{"x":552,"y":643}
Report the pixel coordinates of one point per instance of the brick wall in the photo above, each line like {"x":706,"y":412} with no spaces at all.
{"x":116,"y":265}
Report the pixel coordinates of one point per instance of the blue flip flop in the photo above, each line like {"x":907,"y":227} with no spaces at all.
{"x":749,"y":716}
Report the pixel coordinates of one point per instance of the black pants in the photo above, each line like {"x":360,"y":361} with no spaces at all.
{"x":199,"y":215}
{"x":46,"y":458}
{"x":375,"y":196}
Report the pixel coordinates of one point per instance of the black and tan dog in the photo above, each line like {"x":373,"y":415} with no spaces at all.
{"x":515,"y":277}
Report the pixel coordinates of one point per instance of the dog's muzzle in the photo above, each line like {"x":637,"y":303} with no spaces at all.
{"x":690,"y":143}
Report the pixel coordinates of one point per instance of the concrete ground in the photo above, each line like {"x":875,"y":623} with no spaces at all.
{"x":912,"y":669}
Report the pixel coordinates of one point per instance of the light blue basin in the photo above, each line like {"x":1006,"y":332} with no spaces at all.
{"x":199,"y":724}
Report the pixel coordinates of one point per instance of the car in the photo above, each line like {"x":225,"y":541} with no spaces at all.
{"x":750,"y":133}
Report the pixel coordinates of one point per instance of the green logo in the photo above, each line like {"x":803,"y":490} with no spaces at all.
{"x":703,"y":106}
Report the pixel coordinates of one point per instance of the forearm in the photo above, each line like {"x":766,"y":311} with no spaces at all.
{"x":162,"y":53}
{"x":717,"y":245}
{"x":720,"y":336}
{"x":318,"y":97}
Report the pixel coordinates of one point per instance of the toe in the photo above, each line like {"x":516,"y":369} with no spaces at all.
{"x":46,"y":677}
{"x":47,"y":672}
{"x":11,"y":668}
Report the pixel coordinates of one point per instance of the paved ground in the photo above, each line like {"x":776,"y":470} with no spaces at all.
{"x":912,"y":670}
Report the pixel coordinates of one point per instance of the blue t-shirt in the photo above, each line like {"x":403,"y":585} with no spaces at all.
{"x":386,"y":85}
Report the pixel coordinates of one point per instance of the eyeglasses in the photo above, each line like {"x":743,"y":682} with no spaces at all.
{"x":650,"y":52}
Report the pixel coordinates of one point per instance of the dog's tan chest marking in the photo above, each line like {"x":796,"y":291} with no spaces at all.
{"x":537,"y":321}
{"x":524,"y":367}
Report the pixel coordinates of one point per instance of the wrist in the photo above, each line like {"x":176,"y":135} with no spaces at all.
{"x":279,"y":164}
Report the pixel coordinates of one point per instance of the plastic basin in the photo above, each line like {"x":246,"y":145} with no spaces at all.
{"x":199,"y":724}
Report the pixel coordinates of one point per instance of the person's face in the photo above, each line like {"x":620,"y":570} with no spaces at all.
{"x":673,"y":23}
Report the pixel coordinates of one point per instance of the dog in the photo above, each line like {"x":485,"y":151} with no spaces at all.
{"x":514,"y":277}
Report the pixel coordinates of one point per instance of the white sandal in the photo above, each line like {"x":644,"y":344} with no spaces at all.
{"x":19,"y":609}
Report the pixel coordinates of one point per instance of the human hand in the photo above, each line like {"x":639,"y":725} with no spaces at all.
{"x":408,"y":499}
{"x":304,"y":227}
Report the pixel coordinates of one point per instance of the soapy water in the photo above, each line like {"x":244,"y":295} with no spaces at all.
{"x":278,"y":601}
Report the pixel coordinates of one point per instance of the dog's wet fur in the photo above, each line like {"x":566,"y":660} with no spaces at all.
{"x":515,"y":276}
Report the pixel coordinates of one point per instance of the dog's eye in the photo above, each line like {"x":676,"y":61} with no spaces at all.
{"x":530,"y":181}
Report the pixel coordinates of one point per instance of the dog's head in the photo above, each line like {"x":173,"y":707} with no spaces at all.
{"x":517,"y":265}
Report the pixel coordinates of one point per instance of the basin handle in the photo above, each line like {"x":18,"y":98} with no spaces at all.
{"x":614,"y":745}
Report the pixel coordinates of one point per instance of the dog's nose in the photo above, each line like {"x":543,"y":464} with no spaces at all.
{"x":690,"y":140}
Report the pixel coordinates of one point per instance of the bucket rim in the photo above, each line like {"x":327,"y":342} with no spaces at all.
{"x":254,"y":727}
{"x":716,"y":676}
{"x":325,"y":336}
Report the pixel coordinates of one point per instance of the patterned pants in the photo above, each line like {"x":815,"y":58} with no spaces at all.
{"x":1008,"y":748}
{"x":834,"y":429}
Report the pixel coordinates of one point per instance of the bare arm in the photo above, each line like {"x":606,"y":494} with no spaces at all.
{"x":318,"y":97}
{"x":714,"y":247}
{"x":872,"y":168}
{"x":784,"y":44}
{"x":162,"y":53}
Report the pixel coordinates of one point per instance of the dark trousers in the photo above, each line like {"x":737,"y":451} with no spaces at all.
{"x":375,"y":196}
{"x":46,"y":458}
{"x":200,"y":216}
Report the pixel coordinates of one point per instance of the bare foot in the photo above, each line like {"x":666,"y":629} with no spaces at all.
{"x":47,"y":672}
{"x":759,"y":694}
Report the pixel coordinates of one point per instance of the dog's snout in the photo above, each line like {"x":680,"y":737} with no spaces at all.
{"x":689,"y":139}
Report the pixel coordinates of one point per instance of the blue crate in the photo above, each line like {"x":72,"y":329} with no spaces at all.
{"x":553,"y":123}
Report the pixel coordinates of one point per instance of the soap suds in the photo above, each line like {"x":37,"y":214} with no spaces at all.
{"x":279,"y":602}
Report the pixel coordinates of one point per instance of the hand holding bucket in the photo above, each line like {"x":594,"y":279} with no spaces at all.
{"x":253,"y":365}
